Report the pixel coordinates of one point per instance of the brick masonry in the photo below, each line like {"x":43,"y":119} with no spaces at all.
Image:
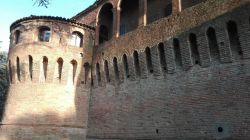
{"x":47,"y":107}
{"x":171,"y":100}
{"x":193,"y":101}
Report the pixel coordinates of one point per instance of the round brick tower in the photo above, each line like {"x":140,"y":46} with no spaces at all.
{"x":49,"y":61}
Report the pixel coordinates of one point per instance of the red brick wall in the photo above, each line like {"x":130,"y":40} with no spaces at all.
{"x":191,"y":101}
{"x":38,"y":103}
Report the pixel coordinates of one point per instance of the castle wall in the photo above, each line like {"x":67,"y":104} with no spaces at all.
{"x":190,"y":105}
{"x":90,"y":18}
{"x":154,"y":96}
{"x":129,"y":15}
{"x":44,"y":101}
{"x":175,"y":78}
{"x":39,"y":111}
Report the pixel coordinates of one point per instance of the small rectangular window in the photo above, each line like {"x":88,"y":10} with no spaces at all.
{"x":47,"y":36}
{"x":123,"y":29}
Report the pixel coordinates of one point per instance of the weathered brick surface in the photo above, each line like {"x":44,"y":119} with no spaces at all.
{"x":186,"y":101}
{"x":203,"y":49}
{"x":47,"y":108}
{"x":190,"y":103}
{"x":170,"y":56}
{"x":39,"y":132}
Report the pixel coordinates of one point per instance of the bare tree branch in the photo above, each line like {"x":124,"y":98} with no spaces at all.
{"x":43,"y":3}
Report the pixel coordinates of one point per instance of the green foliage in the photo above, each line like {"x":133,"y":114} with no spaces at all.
{"x":3,"y":82}
{"x":3,"y":74}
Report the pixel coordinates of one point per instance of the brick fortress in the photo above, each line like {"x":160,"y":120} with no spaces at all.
{"x":132,"y":69}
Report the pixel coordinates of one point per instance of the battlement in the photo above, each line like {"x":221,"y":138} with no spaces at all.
{"x":48,"y":50}
{"x":175,"y":78}
{"x":170,"y":44}
{"x":47,"y":72}
{"x":144,"y":69}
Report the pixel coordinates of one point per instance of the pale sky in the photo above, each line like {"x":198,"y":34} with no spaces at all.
{"x":12,"y":10}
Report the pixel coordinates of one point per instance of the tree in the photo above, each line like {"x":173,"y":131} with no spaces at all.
{"x":1,"y":45}
{"x":44,"y":3}
{"x":3,"y":81}
{"x":3,"y":73}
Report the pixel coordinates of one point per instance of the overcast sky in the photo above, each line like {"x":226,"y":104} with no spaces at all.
{"x":12,"y":10}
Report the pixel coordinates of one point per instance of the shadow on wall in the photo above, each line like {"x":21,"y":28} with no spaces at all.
{"x":82,"y":94}
{"x":33,"y":130}
{"x":51,"y":124}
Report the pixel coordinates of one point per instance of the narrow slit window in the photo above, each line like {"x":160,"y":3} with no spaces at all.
{"x":125,"y":65}
{"x":212,"y":43}
{"x":30,"y":67}
{"x":74,"y":68}
{"x":106,"y":69}
{"x":45,"y":66}
{"x":18,"y":69}
{"x":10,"y":71}
{"x":177,"y":52}
{"x":17,"y":36}
{"x":137,"y":63}
{"x":234,"y":37}
{"x":86,"y":69}
{"x":249,"y":20}
{"x":60,"y":67}
{"x":162,"y":56}
{"x":194,"y":48}
{"x":98,"y":73}
{"x":116,"y":70}
{"x":149,"y":60}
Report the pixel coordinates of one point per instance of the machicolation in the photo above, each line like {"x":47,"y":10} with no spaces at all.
{"x":129,"y":70}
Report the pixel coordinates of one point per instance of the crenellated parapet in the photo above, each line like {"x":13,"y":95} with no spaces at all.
{"x":185,"y":76}
{"x":206,"y":40}
{"x":49,"y":61}
{"x":148,"y":69}
{"x":48,"y":50}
